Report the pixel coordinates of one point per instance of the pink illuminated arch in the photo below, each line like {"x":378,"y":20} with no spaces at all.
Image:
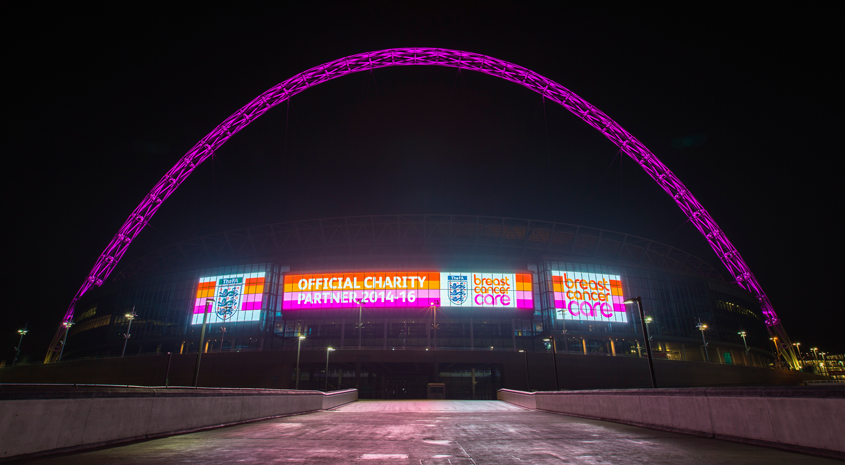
{"x":549,"y":89}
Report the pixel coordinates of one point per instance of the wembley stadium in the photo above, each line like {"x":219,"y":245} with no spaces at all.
{"x":476,"y":303}
{"x":393,"y":304}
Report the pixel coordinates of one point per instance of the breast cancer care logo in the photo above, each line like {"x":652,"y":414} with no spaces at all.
{"x":458,"y":289}
{"x":229,"y":292}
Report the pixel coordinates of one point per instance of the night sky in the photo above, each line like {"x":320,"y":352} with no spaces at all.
{"x":741,"y":104}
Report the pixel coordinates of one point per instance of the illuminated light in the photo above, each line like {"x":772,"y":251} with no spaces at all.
{"x":231,"y":297}
{"x":588,"y":296}
{"x":301,"y":338}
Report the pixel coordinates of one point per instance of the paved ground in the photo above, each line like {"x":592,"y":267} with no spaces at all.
{"x":433,"y":432}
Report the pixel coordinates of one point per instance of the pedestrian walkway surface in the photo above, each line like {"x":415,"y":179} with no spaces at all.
{"x":433,"y":432}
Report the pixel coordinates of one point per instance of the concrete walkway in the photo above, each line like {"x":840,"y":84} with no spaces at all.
{"x":433,"y":432}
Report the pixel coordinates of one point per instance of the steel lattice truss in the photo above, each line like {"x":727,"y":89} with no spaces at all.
{"x":549,"y":89}
{"x":416,"y":234}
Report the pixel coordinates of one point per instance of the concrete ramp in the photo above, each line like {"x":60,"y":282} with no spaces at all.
{"x":434,"y":432}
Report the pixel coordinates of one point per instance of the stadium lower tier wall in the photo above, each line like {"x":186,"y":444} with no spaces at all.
{"x":804,"y":419}
{"x":384,"y":374}
{"x":36,"y":420}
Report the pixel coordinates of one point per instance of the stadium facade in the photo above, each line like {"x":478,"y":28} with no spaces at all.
{"x":481,"y":287}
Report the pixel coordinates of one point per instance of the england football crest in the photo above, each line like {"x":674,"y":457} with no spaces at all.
{"x":228,"y":297}
{"x":458,"y":289}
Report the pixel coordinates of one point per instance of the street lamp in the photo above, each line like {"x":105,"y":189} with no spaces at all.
{"x":208,"y":303}
{"x":742,"y":333}
{"x":815,"y":352}
{"x":648,"y":321}
{"x":222,"y":337}
{"x":527,"y":377}
{"x":435,"y":326}
{"x":298,"y":347}
{"x":360,"y":324}
{"x":551,"y":340}
{"x":639,"y":302}
{"x":22,"y":332}
{"x":701,"y":327}
{"x":328,"y":351}
{"x":129,"y":316}
{"x":67,"y":325}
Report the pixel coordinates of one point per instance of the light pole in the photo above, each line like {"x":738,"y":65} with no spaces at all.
{"x":22,"y":332}
{"x":554,"y":359}
{"x":298,"y":347}
{"x":328,"y":351}
{"x":67,"y":325}
{"x":742,"y":333}
{"x":800,"y":357}
{"x":360,"y":324}
{"x":129,"y":316}
{"x":774,"y":340}
{"x":527,"y":377}
{"x":648,"y":321}
{"x":208,"y":303}
{"x":701,"y":327}
{"x":223,"y":337}
{"x":639,"y":302}
{"x":434,"y":326}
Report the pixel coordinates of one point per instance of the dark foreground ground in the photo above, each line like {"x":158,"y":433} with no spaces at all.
{"x":433,"y":432}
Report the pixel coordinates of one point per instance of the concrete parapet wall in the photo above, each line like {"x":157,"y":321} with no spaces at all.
{"x":53,"y":418}
{"x":523,"y":399}
{"x":805,"y":419}
{"x":336,"y":398}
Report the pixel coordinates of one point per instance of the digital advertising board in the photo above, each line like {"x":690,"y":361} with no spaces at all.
{"x":408,"y":289}
{"x":588,"y":296}
{"x":237,"y":297}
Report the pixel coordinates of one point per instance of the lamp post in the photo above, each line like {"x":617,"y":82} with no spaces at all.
{"x":67,"y":325}
{"x":22,"y":332}
{"x":129,"y":316}
{"x":742,"y":333}
{"x":434,"y":326}
{"x":554,"y":359}
{"x":222,"y":337}
{"x":298,"y":347}
{"x":774,"y":340}
{"x":648,"y":321}
{"x":527,"y":377}
{"x":639,"y":302}
{"x":328,"y":351}
{"x":800,"y":357}
{"x":701,"y":327}
{"x":208,"y":303}
{"x":360,"y":324}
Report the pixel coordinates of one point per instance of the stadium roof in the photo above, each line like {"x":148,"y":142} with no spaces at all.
{"x":417,"y":234}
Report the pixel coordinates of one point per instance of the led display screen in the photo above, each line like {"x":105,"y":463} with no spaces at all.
{"x":237,"y":297}
{"x":588,"y":296}
{"x":407,"y":289}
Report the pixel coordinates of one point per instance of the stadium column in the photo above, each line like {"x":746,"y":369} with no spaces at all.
{"x":513,"y":336}
{"x":342,"y":327}
{"x":385,"y":333}
{"x":471,"y":336}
